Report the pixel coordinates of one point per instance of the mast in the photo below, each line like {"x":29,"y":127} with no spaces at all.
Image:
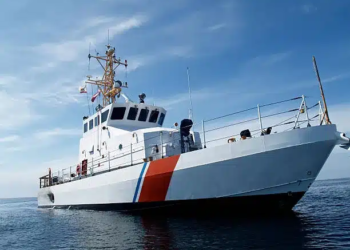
{"x":322,"y":93}
{"x":108,"y":86}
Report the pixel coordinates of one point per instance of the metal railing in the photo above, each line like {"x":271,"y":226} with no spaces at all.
{"x":109,"y":162}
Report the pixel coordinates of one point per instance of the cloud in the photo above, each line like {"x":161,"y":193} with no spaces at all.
{"x":196,"y":95}
{"x":13,"y":149}
{"x":336,"y":78}
{"x":9,"y":138}
{"x":7,"y":79}
{"x":47,"y":134}
{"x":217,"y":26}
{"x":308,"y":8}
{"x":16,"y":112}
{"x":29,"y":177}
{"x":72,"y":50}
{"x":269,"y":60}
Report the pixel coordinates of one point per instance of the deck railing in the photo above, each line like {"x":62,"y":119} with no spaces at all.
{"x":257,"y":122}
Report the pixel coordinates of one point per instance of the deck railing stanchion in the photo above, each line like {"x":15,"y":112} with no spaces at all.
{"x":92,"y":165}
{"x":109,"y":161}
{"x":300,"y":108}
{"x":161,"y":143}
{"x":320,"y":112}
{"x":203,"y":129}
{"x":260,"y":122}
{"x":131,"y":154}
{"x":306,"y":112}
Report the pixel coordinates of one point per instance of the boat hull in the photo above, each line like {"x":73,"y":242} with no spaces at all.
{"x":263,"y":204}
{"x":267,"y":173}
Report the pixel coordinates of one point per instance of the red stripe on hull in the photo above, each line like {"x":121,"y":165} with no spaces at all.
{"x":157,"y":179}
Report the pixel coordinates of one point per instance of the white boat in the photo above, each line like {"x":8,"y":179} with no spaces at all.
{"x":129,"y":162}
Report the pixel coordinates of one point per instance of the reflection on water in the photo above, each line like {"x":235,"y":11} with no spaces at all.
{"x":321,"y":221}
{"x":287,"y":232}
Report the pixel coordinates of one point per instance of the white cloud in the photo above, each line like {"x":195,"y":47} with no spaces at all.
{"x":7,"y":80}
{"x":72,"y":50}
{"x":96,"y":21}
{"x":217,"y":27}
{"x":196,"y":95}
{"x":29,"y":177}
{"x":13,"y":149}
{"x":308,"y":8}
{"x":16,"y":112}
{"x":336,"y":78}
{"x":47,"y":134}
{"x":9,"y":138}
{"x":269,"y":60}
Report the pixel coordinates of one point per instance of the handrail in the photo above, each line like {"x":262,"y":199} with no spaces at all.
{"x":141,"y":146}
{"x":253,"y":108}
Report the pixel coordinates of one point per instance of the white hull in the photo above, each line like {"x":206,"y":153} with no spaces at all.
{"x":278,"y":165}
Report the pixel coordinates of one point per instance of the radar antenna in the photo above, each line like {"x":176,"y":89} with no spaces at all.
{"x":108,"y":86}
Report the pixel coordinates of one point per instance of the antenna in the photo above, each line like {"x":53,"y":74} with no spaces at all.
{"x":190,"y":115}
{"x":89,"y":56}
{"x":322,"y":93}
{"x":108,"y":36}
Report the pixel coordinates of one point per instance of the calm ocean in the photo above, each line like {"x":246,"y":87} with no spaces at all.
{"x":321,"y":221}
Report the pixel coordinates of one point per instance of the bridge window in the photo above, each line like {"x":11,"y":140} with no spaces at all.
{"x":143,"y":115}
{"x":154,"y":116}
{"x":104,"y":116}
{"x":132,"y":113}
{"x":118,"y":113}
{"x":97,"y":120}
{"x":161,"y":119}
{"x":85,"y":127}
{"x":91,"y":124}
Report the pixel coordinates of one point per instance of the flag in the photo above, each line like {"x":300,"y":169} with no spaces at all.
{"x":82,"y":90}
{"x":95,"y":96}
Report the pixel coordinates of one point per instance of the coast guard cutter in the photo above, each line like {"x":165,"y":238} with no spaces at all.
{"x":128,"y":161}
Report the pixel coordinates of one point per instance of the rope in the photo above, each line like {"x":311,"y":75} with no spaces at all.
{"x":270,"y":104}
{"x":232,"y":124}
{"x":283,"y":112}
{"x":230,"y":114}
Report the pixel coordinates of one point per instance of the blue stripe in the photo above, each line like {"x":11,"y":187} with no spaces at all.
{"x":139,"y":182}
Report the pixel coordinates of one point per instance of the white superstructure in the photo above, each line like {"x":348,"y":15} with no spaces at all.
{"x":128,"y":161}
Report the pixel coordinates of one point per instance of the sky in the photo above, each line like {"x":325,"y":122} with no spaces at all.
{"x":240,"y":53}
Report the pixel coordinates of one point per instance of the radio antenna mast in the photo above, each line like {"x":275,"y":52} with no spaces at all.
{"x":108,"y":86}
{"x":190,"y":115}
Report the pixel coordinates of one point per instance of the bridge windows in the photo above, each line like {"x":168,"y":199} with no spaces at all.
{"x":143,"y":115}
{"x":132,"y":113}
{"x":154,"y":116}
{"x":118,"y":113}
{"x":161,"y":119}
{"x":91,"y":124}
{"x":97,"y":120}
{"x":104,"y":116}
{"x":85,"y":127}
